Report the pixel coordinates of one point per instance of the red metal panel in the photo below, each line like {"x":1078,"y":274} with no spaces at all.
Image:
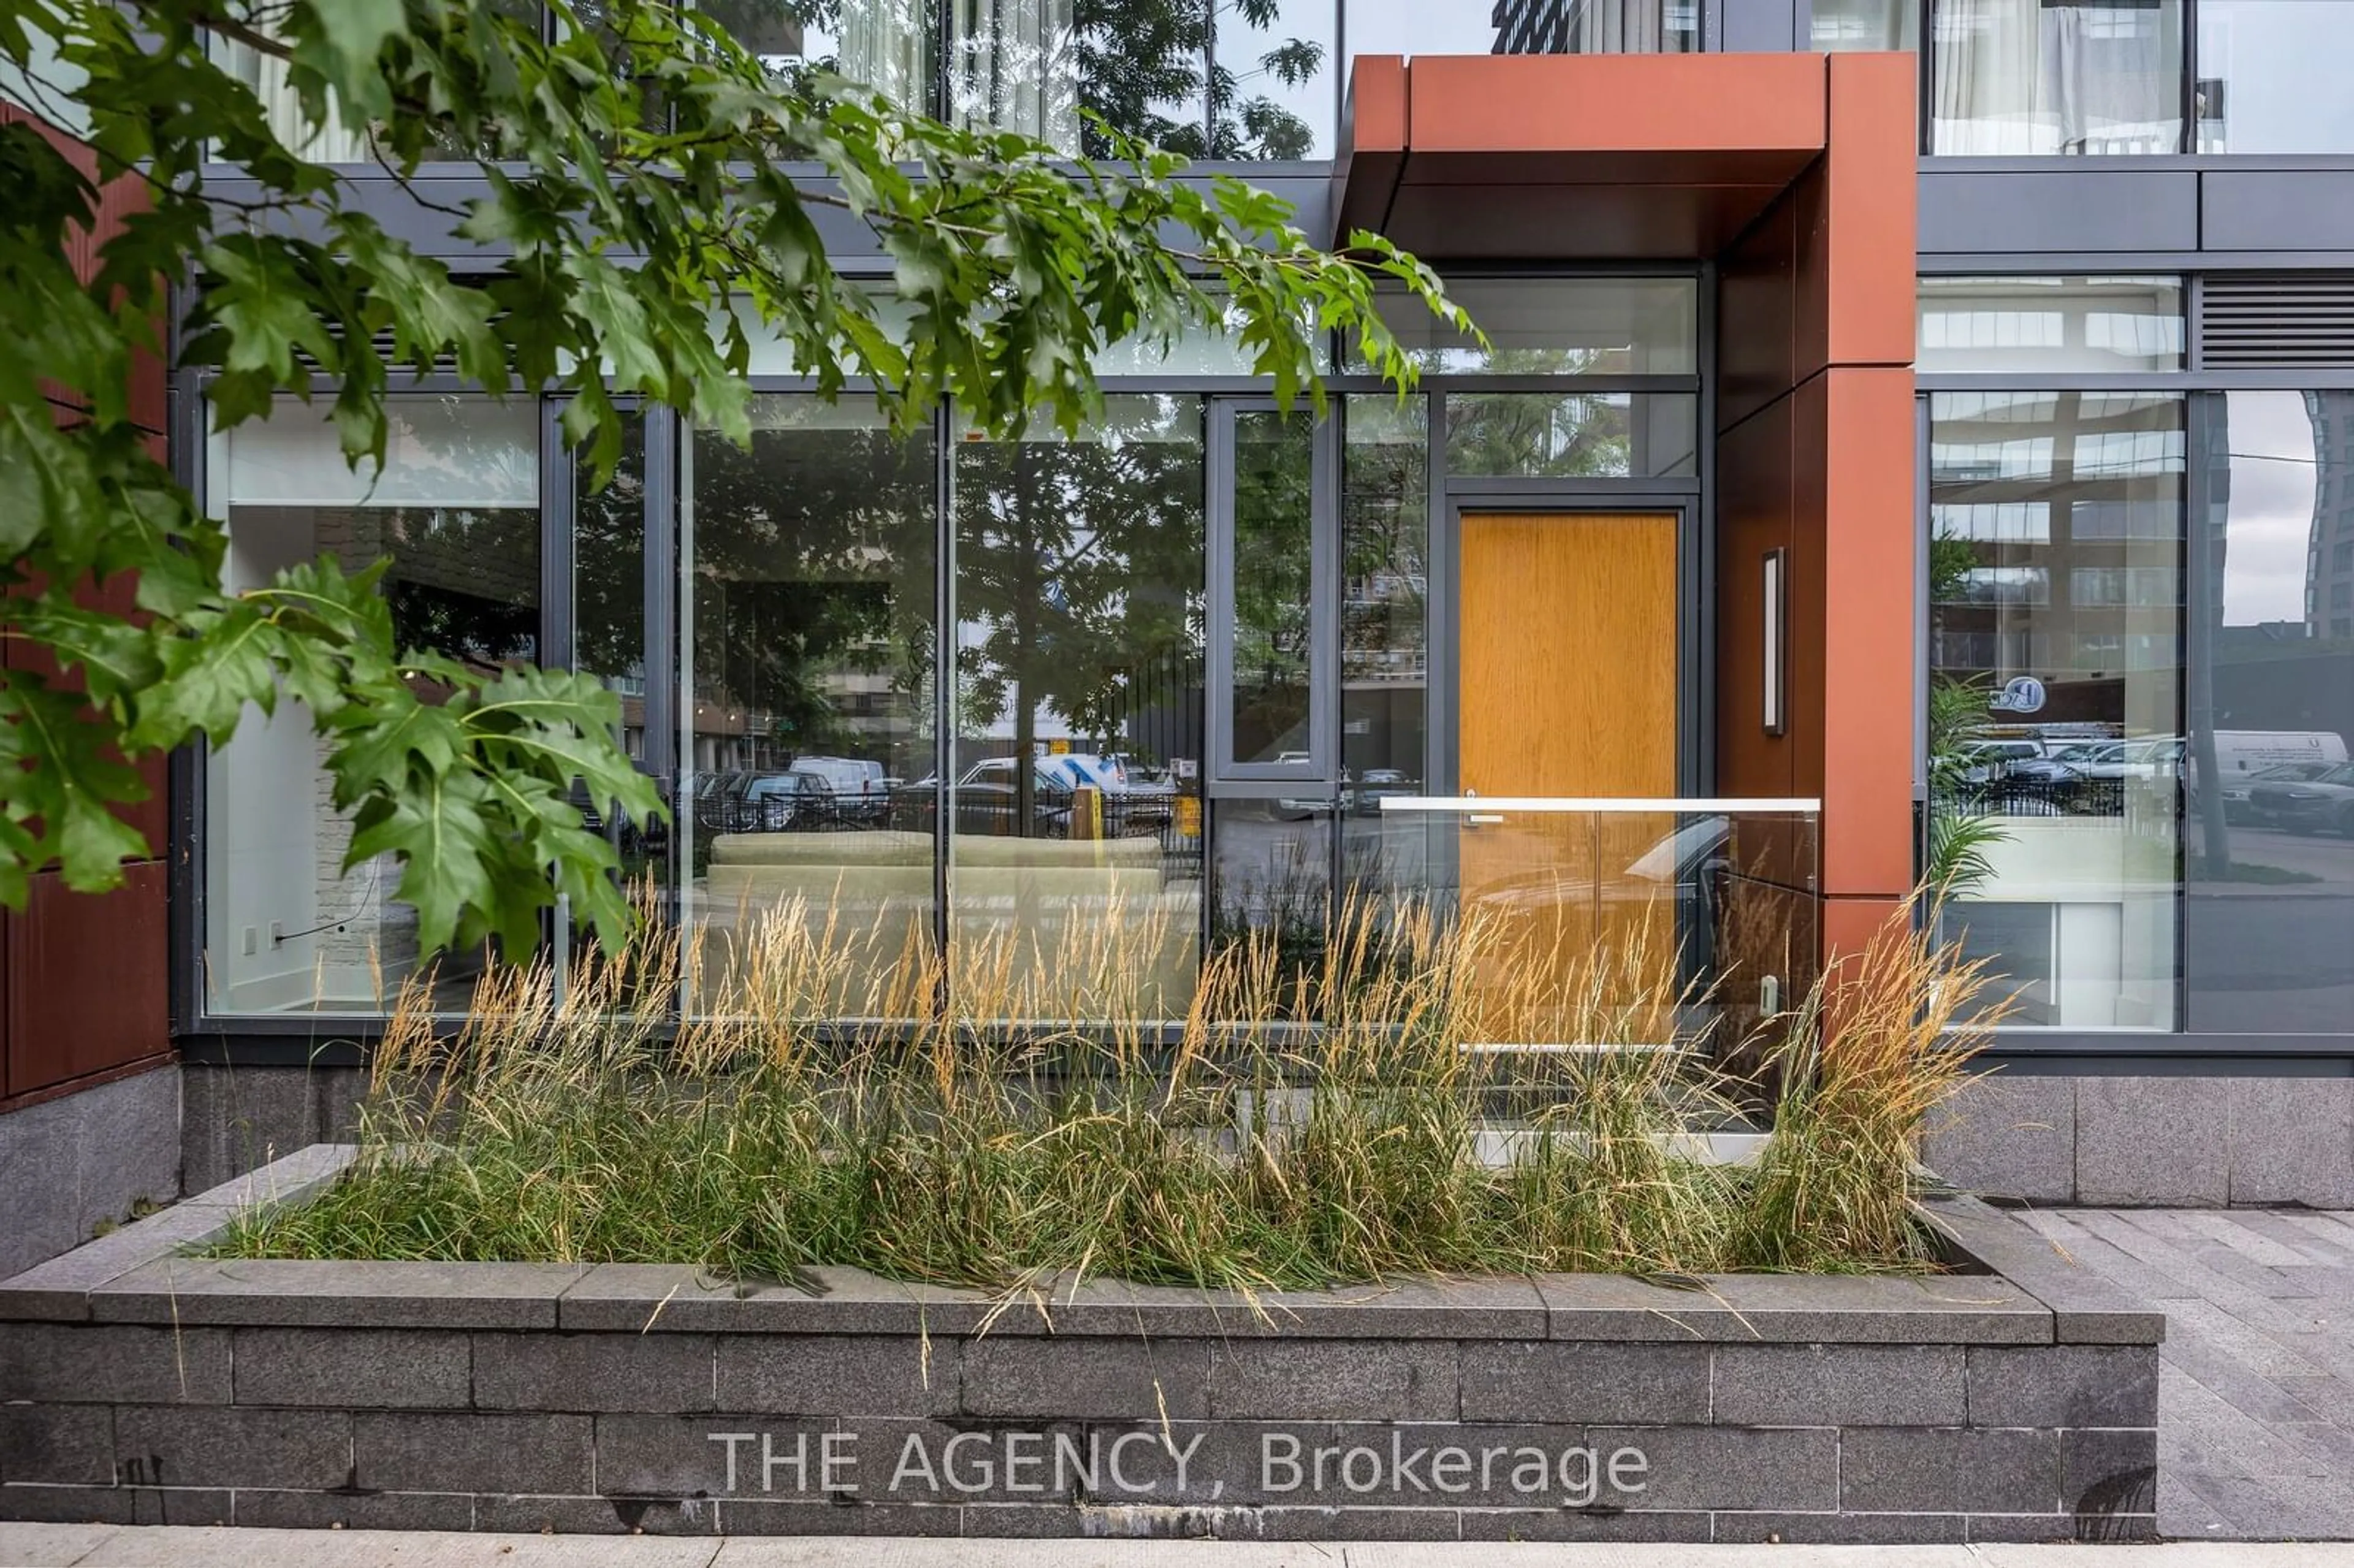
{"x":85,"y":986}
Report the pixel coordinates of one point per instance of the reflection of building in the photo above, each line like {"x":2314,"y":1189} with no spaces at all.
{"x":1594,"y":27}
{"x":2329,"y":561}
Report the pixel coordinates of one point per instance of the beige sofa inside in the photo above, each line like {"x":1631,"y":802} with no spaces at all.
{"x":1076,"y":924}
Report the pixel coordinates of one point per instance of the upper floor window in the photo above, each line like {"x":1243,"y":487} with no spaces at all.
{"x":1524,"y":27}
{"x":2051,"y":324}
{"x":2271,"y":76}
{"x":2070,"y":77}
{"x":1841,"y":24}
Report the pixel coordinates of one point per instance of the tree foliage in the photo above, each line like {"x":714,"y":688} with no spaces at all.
{"x":643,"y":177}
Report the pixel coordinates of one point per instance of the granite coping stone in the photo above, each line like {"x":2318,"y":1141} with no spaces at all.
{"x":2087,"y":1307}
{"x":2035,"y":1295}
{"x":298,"y":1293}
{"x":59,"y":1291}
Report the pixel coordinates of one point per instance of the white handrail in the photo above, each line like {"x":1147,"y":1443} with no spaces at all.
{"x":1469,"y":803}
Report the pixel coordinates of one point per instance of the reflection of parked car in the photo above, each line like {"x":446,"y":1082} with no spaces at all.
{"x":1983,"y":761}
{"x":2237,"y":806}
{"x":2325,"y":802}
{"x":986,"y":803}
{"x":789,"y":800}
{"x":1379,"y":784}
{"x":862,"y":792}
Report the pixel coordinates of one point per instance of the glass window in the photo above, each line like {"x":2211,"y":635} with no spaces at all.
{"x":888,"y":45}
{"x":2051,"y":325}
{"x":1384,"y":649}
{"x":2269,"y":938}
{"x":2271,"y":76}
{"x":1841,"y":24}
{"x":1570,"y":435}
{"x":2012,"y":78}
{"x":1524,"y":27}
{"x":1271,"y":659}
{"x":2063,"y":638}
{"x":810,"y":658}
{"x":1079,"y":595}
{"x":456,"y":509}
{"x":1274,"y":81}
{"x":1555,"y":326}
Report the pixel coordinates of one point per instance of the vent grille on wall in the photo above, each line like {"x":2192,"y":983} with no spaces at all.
{"x":2254,"y":321}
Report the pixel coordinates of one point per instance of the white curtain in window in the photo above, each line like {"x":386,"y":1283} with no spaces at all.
{"x":1017,"y":68}
{"x":2039,"y":77}
{"x":266,"y":74}
{"x":884,"y":45}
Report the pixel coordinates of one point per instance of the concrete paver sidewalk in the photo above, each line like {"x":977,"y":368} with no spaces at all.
{"x":2256,"y":1397}
{"x":141,"y":1546}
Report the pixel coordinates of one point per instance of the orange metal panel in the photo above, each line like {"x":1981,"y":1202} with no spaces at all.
{"x":1578,"y":103}
{"x":1868,"y":659}
{"x":1850,"y":923}
{"x":1871,"y":173}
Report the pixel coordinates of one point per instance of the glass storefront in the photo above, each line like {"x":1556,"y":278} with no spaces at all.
{"x":2055,"y":653}
{"x":2268,"y":833}
{"x":1108,"y":795}
{"x":456,"y":509}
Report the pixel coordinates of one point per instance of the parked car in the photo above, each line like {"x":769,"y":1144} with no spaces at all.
{"x":2237,"y":806}
{"x":2323,"y":802}
{"x":1984,"y":761}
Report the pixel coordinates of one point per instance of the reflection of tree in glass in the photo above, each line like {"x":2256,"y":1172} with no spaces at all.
{"x":1148,"y":68}
{"x":1273,"y":560}
{"x":1078,"y":568}
{"x":1163,"y":70}
{"x":1384,"y":494}
{"x":812,"y":565}
{"x":1544,"y":434}
{"x":609,"y":566}
{"x":465,"y":581}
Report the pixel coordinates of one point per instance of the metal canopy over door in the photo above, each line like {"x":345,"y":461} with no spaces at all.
{"x":1566,"y":688}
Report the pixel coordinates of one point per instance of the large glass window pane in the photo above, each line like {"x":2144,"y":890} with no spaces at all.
{"x":1273,"y":649}
{"x":812,"y":577}
{"x":2270,"y":836}
{"x":1554,"y":326}
{"x":2055,"y":707}
{"x":888,"y":45}
{"x":456,"y":508}
{"x":1274,"y":84}
{"x":1841,"y":25}
{"x":1570,"y":435}
{"x":2051,"y":325}
{"x":1384,"y":649}
{"x":609,"y":615}
{"x":1524,"y":27}
{"x":1079,"y":596}
{"x":2271,"y":76}
{"x":2012,"y":78}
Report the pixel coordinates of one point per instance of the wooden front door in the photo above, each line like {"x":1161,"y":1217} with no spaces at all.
{"x":1567,"y":688}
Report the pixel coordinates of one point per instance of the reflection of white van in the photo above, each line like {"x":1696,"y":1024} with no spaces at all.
{"x":2241,"y":753}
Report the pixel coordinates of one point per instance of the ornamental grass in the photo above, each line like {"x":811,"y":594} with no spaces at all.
{"x":1239,"y":1148}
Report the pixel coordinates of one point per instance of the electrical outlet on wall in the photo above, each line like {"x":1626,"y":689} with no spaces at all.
{"x":277,"y":933}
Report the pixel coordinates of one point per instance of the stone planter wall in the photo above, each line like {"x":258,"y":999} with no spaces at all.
{"x":138,"y":1385}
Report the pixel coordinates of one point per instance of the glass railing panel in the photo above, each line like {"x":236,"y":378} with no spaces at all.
{"x":1619,"y":925}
